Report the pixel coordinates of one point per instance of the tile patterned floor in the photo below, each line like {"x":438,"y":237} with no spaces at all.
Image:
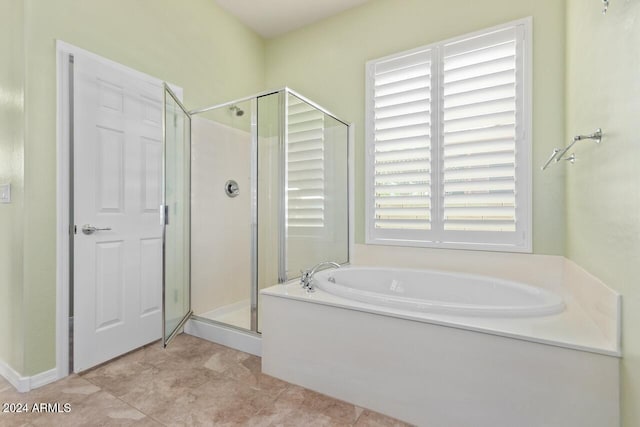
{"x":4,"y":385}
{"x":192,"y":383}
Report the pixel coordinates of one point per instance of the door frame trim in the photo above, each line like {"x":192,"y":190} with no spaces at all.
{"x":64,"y":189}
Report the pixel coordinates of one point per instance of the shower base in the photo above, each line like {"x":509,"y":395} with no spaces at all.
{"x":237,"y":314}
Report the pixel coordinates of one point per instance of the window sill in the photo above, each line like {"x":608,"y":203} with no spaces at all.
{"x":526,"y":247}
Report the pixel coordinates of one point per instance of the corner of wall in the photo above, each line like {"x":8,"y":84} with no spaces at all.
{"x":12,"y":171}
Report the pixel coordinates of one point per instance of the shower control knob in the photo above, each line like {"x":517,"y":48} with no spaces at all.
{"x":232,"y":188}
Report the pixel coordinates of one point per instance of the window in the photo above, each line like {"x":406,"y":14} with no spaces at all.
{"x":448,"y":143}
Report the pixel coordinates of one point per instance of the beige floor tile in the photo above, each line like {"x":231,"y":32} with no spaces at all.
{"x":93,"y":408}
{"x":244,"y":368}
{"x":151,"y":354}
{"x":73,"y":390}
{"x":4,"y":385}
{"x":294,"y":418}
{"x":218,"y":402}
{"x":191,"y":383}
{"x":373,"y":419}
{"x":299,"y":406}
{"x":193,"y":351}
{"x":100,"y":409}
{"x":150,"y":388}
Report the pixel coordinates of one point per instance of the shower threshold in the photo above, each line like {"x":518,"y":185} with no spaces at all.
{"x":229,"y":326}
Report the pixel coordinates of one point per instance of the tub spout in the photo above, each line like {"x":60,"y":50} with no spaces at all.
{"x":306,"y":280}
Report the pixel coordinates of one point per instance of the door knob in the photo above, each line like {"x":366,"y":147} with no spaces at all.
{"x":89,"y":229}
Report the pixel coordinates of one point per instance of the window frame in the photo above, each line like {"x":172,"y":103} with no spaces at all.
{"x":518,"y":241}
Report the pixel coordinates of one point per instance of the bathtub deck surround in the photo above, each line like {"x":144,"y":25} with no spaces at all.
{"x":574,"y":327}
{"x":421,"y":367}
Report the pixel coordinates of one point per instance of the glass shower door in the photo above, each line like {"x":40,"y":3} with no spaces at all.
{"x":176,"y":211}
{"x":223,"y":171}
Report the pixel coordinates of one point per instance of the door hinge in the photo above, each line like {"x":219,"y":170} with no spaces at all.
{"x":164,"y":214}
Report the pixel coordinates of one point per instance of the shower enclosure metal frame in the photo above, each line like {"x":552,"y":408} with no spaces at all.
{"x":282,"y":208}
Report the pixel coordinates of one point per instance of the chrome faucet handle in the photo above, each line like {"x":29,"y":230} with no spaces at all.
{"x":305,"y":279}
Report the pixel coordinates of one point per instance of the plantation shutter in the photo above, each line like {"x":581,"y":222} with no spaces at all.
{"x":449,"y":141}
{"x":402,"y":142}
{"x":305,"y":161}
{"x":481,"y":126}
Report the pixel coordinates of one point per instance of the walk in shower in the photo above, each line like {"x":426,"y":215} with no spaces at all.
{"x":268,"y":182}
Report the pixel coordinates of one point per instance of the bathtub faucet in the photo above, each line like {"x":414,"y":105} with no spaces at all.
{"x":307,"y":276}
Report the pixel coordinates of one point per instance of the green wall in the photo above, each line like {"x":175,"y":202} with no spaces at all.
{"x":11,"y":171}
{"x":215,"y":58}
{"x":603,"y":187}
{"x":326,"y":62}
{"x":200,"y":47}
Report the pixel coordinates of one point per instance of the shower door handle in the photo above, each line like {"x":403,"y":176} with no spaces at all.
{"x":89,"y":229}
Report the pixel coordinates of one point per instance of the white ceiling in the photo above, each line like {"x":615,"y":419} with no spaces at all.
{"x":270,"y":18}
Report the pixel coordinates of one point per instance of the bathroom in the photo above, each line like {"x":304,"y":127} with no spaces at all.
{"x":584,"y":63}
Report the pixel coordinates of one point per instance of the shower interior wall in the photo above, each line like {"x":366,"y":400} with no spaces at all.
{"x":219,"y":152}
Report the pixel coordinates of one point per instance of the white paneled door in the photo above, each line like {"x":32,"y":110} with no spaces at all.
{"x":117,"y":193}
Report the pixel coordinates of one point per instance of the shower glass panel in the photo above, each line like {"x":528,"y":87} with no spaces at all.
{"x":317,"y":187}
{"x":222,"y":200}
{"x":176,"y":214}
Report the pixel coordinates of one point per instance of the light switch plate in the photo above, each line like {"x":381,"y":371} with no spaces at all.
{"x":5,"y":193}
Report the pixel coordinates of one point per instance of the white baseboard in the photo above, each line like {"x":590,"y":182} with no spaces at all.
{"x":249,"y":343}
{"x":19,"y":382}
{"x":24,"y":384}
{"x":44,"y":378}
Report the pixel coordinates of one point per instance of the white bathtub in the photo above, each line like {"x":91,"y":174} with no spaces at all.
{"x":444,"y":349}
{"x":439,"y":292}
